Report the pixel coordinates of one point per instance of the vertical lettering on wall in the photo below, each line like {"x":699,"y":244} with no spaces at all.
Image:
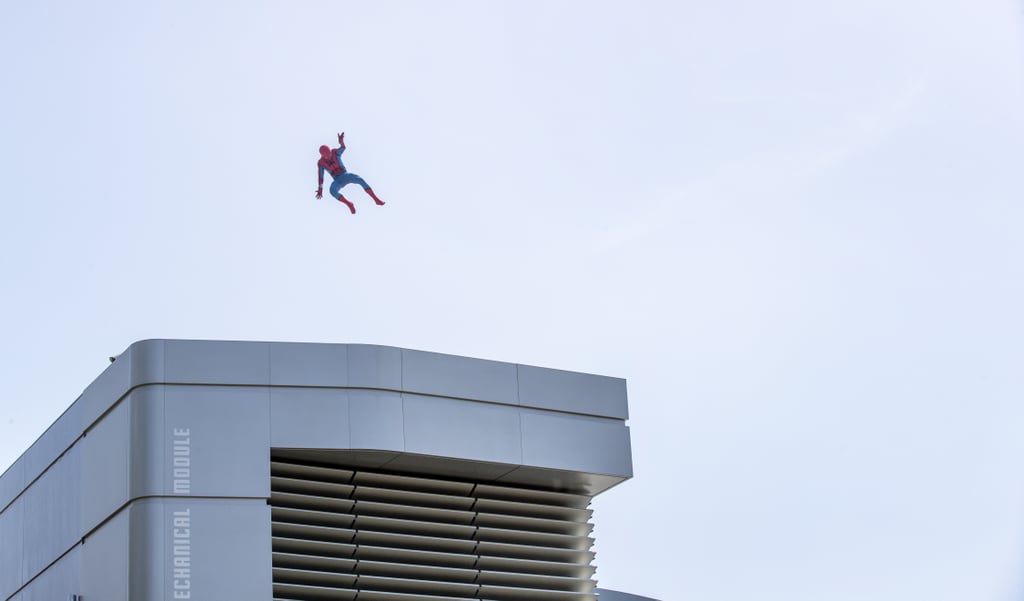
{"x":181,"y":519}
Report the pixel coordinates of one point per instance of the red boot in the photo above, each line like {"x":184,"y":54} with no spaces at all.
{"x":374,"y":196}
{"x":351,"y":207}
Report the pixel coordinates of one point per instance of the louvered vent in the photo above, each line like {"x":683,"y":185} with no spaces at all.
{"x":353,"y":534}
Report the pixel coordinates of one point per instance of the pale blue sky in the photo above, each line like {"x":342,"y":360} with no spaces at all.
{"x":795,"y":228}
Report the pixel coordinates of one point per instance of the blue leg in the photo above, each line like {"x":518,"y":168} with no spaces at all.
{"x":336,"y":186}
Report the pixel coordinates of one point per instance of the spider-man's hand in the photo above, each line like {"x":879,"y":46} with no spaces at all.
{"x":341,"y":138}
{"x":319,"y":193}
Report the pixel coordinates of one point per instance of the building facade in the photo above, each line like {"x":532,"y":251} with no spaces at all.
{"x":214,"y":470}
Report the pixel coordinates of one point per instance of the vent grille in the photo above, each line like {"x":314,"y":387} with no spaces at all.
{"x":343,"y":534}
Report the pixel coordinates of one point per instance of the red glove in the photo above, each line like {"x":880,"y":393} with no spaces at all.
{"x":341,"y":138}
{"x":319,"y":192}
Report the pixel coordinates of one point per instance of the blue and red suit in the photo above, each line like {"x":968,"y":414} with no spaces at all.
{"x":330,"y":161}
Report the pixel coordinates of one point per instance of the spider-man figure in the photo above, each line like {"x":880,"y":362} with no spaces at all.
{"x":330,"y":159}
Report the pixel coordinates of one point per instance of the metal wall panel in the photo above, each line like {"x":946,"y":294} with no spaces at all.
{"x":58,"y":582}
{"x":216,"y":362}
{"x":309,"y":418}
{"x":461,"y":377}
{"x":147,"y":463}
{"x":204,"y":413}
{"x":104,"y":473}
{"x":105,"y":390}
{"x":230,"y":548}
{"x":200,"y":440}
{"x":146,"y":361}
{"x":224,"y":433}
{"x":300,"y":364}
{"x":576,"y":443}
{"x":52,"y":514}
{"x":58,"y":437}
{"x":12,"y":524}
{"x":371,"y":366}
{"x":211,"y":549}
{"x":146,"y":548}
{"x":105,"y":561}
{"x":572,"y":391}
{"x":12,"y":482}
{"x":461,"y":429}
{"x":153,"y":362}
{"x":376,"y":420}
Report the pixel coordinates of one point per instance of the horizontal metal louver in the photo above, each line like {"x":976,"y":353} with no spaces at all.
{"x":344,"y":534}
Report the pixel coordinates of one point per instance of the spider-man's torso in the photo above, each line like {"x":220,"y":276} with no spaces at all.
{"x":332,"y":165}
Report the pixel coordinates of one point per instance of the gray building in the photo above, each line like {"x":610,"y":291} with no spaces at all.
{"x":216,"y":471}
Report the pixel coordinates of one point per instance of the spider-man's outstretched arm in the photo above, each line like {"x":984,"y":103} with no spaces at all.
{"x":320,"y":181}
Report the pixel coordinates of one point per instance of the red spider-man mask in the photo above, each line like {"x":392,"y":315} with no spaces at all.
{"x":325,"y":152}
